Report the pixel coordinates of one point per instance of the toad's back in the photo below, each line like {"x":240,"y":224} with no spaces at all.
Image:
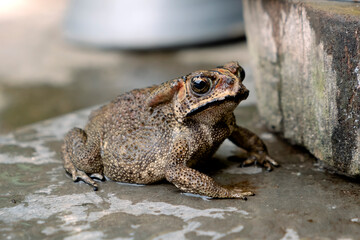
{"x":132,"y":137}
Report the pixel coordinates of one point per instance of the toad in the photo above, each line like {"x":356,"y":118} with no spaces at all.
{"x":160,"y":132}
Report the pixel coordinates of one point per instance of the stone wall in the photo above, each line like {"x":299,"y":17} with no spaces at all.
{"x":306,"y":57}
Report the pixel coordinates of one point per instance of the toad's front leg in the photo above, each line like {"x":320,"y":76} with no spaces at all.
{"x":256,"y":148}
{"x":192,"y":181}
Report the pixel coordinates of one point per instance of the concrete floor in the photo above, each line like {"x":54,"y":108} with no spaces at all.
{"x":298,"y":200}
{"x":43,"y":76}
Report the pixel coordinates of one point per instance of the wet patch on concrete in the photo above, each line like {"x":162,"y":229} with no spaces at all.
{"x":79,"y":211}
{"x":39,"y":143}
{"x":14,"y":150}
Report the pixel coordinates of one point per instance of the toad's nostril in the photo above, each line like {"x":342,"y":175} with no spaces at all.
{"x":244,"y":94}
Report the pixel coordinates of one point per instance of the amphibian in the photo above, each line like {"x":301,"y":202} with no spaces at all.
{"x":159,"y":132}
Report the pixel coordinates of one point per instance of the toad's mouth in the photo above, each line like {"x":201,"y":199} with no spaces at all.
{"x":240,"y":96}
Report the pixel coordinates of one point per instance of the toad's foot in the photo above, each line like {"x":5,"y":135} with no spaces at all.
{"x":77,"y":175}
{"x":82,"y":156}
{"x":261,"y":158}
{"x":256,"y":148}
{"x":240,"y":194}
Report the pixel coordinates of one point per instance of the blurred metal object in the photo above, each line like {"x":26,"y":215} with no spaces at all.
{"x":148,"y":24}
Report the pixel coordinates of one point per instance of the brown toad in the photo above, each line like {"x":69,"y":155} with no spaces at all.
{"x":159,"y":132}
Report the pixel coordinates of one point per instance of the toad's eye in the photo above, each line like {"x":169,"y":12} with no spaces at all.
{"x":200,"y":85}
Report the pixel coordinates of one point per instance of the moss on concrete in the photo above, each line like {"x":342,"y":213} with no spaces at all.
{"x":344,"y":9}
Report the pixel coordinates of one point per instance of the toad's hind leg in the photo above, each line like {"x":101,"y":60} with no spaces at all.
{"x":81,"y":154}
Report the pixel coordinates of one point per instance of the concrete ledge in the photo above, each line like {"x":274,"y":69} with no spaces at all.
{"x":307,"y":70}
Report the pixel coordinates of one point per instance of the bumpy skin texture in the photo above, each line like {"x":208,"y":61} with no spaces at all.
{"x":159,"y":132}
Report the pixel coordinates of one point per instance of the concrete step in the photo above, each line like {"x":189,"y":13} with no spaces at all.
{"x":307,"y":70}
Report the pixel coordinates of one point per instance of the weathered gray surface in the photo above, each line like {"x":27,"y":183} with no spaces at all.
{"x":307,"y":60}
{"x":298,"y":200}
